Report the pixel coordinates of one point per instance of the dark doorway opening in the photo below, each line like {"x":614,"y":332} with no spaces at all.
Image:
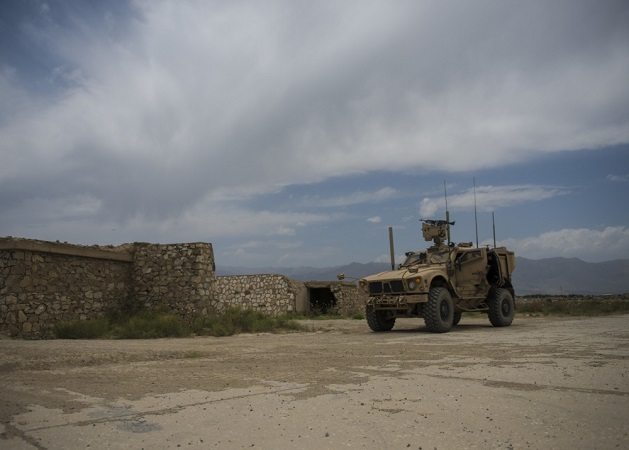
{"x":322,"y":300}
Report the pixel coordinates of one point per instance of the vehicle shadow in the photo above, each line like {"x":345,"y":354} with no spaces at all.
{"x":460,"y":328}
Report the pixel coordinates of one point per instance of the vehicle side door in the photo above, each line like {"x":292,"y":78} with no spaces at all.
{"x":470,"y":269}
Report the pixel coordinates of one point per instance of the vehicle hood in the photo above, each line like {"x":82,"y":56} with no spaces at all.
{"x":402,"y":273}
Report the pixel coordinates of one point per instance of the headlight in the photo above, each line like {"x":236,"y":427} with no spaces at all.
{"x":414,"y":283}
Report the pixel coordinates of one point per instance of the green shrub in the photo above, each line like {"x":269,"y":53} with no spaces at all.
{"x":82,"y":329}
{"x":235,"y":320}
{"x":151,"y":325}
{"x":315,"y":315}
{"x":147,"y":325}
{"x":573,"y":307}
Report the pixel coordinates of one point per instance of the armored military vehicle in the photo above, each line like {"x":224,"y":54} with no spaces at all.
{"x":441,"y":283}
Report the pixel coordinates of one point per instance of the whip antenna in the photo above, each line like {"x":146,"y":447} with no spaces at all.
{"x":475,"y":216}
{"x":445,"y":194}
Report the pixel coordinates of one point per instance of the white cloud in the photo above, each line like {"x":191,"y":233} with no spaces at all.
{"x":490,"y":198}
{"x":206,"y":221}
{"x":584,"y":243}
{"x":266,"y":244}
{"x":618,"y":178}
{"x":186,"y":100}
{"x":375,"y":219}
{"x":354,"y":198}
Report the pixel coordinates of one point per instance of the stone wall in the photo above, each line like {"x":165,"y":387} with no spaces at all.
{"x":42,"y":283}
{"x":38,"y":288}
{"x":349,"y":299}
{"x":177,"y":277}
{"x":271,"y":294}
{"x":277,"y":294}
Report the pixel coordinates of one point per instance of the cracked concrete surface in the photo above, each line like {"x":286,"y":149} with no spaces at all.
{"x":541,"y":383}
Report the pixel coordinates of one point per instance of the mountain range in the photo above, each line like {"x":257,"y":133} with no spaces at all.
{"x":532,"y":276}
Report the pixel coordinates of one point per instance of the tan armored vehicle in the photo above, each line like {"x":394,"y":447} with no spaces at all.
{"x":441,"y":283}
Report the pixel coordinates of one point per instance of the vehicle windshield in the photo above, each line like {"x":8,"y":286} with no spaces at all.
{"x":439,"y":257}
{"x":414,"y":258}
{"x":431,"y":257}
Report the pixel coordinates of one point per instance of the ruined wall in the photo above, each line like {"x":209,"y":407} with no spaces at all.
{"x":270,"y":294}
{"x":178,"y":277}
{"x":38,"y":288}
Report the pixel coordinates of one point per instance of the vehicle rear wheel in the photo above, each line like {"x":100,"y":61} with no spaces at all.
{"x":501,"y":308}
{"x":439,"y":310}
{"x":456,"y":318}
{"x":378,"y":320}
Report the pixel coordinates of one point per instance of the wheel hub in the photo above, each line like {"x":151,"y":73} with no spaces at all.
{"x":444,"y":310}
{"x":506,"y":307}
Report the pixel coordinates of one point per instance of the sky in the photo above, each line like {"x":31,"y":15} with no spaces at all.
{"x":294,"y":133}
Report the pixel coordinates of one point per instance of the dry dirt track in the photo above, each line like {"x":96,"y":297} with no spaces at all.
{"x":542,"y":383}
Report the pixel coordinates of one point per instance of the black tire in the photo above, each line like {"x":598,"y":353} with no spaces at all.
{"x":377,"y":320}
{"x":439,"y":310}
{"x":501,"y":308}
{"x":456,"y":318}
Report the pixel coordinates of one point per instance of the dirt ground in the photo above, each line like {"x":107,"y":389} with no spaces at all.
{"x":541,"y":383}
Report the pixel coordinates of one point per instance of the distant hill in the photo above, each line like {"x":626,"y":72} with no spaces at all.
{"x":532,"y":276}
{"x":570,"y":276}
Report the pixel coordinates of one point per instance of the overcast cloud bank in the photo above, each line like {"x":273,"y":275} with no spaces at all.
{"x":587,"y":244}
{"x":150,"y":115}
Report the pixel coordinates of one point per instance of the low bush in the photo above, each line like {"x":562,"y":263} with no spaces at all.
{"x":573,"y":307}
{"x":147,"y":325}
{"x":318,"y":316}
{"x":82,"y":329}
{"x":151,"y":325}
{"x":234,"y":321}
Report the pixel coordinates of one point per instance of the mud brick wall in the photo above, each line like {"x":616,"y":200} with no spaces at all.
{"x":271,"y":294}
{"x":176,"y":277}
{"x":39,"y":288}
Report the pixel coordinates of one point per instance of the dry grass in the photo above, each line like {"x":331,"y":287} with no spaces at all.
{"x":573,"y":305}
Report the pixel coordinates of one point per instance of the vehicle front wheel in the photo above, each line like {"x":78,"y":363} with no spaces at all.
{"x":439,"y":310}
{"x":379,"y":320}
{"x":501,"y":308}
{"x":456,"y":318}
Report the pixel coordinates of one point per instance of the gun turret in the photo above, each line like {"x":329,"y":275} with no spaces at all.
{"x":435,"y":230}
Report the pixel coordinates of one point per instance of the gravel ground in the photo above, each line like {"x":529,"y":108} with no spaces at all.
{"x":541,"y":383}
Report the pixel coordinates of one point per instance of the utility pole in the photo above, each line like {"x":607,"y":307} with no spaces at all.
{"x":493,"y":224}
{"x":391,"y":250}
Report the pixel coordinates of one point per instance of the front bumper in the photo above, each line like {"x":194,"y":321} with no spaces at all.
{"x":397,"y":301}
